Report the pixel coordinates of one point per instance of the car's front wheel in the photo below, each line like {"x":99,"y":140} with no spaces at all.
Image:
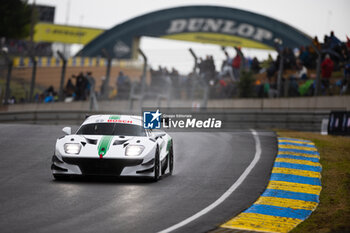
{"x":156,"y":166}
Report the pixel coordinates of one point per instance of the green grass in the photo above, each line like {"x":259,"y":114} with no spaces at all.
{"x":333,"y":211}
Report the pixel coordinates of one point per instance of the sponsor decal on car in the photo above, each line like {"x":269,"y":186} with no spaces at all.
{"x":116,"y":119}
{"x":119,"y":121}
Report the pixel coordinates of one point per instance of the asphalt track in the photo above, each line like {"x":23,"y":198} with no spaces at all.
{"x":206,"y":166}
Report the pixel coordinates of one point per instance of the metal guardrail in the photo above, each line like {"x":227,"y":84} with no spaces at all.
{"x":298,"y":120}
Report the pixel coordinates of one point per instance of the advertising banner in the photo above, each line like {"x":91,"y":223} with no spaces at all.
{"x":47,"y":32}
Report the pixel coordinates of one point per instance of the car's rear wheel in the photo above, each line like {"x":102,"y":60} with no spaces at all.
{"x":171,"y":160}
{"x":156,"y":166}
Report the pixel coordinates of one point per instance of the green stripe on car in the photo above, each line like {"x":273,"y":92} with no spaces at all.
{"x":104,"y":145}
{"x":114,"y":117}
{"x":168,"y":145}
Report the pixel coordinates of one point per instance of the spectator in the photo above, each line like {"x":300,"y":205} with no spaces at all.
{"x":326,"y":70}
{"x":70,"y":88}
{"x":49,"y":98}
{"x":175,"y":80}
{"x":103,"y":86}
{"x":347,"y":42}
{"x":335,"y":43}
{"x":90,"y":90}
{"x":345,"y":82}
{"x":326,"y":42}
{"x":316,"y":43}
{"x":301,"y":72}
{"x":207,"y":69}
{"x":289,"y":60}
{"x":80,"y":87}
{"x":12,"y":100}
{"x":345,"y":56}
{"x":304,"y":56}
{"x":90,"y":87}
{"x":123,"y":85}
{"x":49,"y":91}
{"x":226,"y":69}
{"x":272,"y":69}
{"x":210,"y":69}
{"x":236,"y":65}
{"x":201,"y":66}
{"x":121,"y":79}
{"x":255,"y":65}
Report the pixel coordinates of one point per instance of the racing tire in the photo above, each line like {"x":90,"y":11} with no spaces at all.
{"x":156,"y":169}
{"x":171,"y":160}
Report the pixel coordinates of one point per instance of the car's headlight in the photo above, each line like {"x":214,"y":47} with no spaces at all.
{"x":134,"y":150}
{"x":72,"y":148}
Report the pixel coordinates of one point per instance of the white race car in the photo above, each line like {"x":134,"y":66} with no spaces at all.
{"x":113,"y":145}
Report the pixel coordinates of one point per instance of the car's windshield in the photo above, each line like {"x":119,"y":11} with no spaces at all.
{"x":112,"y":129}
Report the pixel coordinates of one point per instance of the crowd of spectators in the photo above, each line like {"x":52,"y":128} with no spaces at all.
{"x":23,"y":47}
{"x":299,"y":71}
{"x":78,"y":88}
{"x":164,"y":81}
{"x":298,"y":78}
{"x":81,"y":87}
{"x":334,"y":58}
{"x":47,"y":96}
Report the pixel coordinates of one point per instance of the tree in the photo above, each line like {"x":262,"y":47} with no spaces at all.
{"x":15,"y":19}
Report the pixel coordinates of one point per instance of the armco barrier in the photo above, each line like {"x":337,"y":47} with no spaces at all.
{"x":236,"y":119}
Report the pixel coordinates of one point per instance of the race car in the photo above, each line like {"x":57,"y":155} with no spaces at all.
{"x":113,"y":145}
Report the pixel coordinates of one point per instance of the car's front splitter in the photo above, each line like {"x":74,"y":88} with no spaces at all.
{"x":104,"y":167}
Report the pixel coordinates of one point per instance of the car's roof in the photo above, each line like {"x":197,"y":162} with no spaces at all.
{"x":127,"y":119}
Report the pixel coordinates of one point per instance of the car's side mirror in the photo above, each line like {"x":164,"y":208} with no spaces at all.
{"x":156,"y":135}
{"x":67,"y":130}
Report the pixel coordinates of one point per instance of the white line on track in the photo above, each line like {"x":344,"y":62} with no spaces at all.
{"x":227,"y":193}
